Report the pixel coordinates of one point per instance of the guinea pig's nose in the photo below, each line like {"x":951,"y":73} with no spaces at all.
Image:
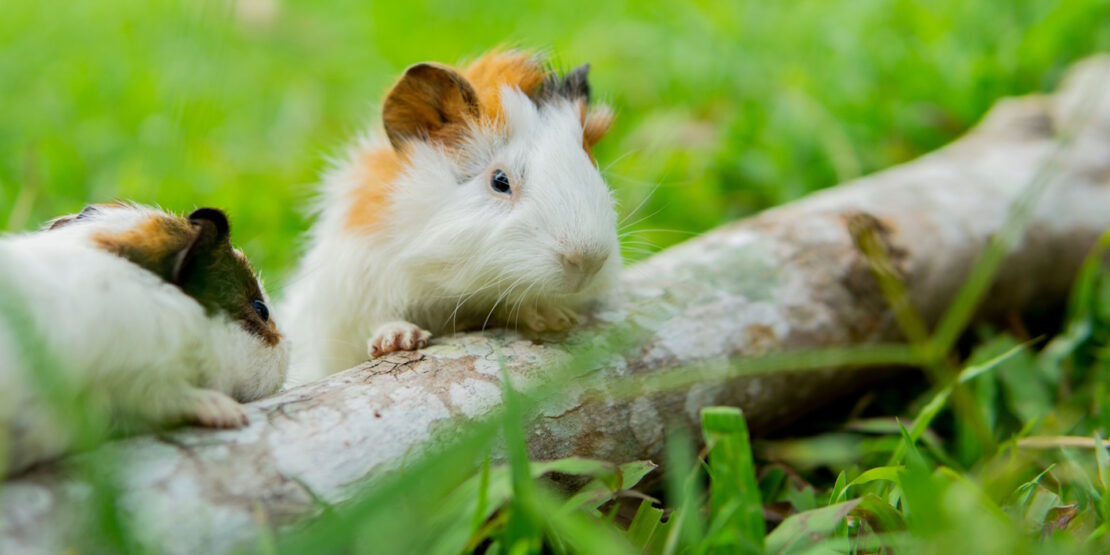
{"x":582,"y":265}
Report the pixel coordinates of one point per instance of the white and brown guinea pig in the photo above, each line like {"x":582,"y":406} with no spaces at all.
{"x":155,"y":317}
{"x":480,"y":205}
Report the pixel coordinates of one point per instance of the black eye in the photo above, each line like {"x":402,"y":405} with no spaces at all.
{"x":261,"y":310}
{"x":499,"y":182}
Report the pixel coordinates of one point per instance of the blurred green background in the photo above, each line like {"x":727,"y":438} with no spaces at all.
{"x":726,"y":107}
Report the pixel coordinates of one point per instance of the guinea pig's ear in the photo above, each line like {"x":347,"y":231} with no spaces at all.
{"x":596,"y":124}
{"x":214,"y":217}
{"x":430,"y":102}
{"x":211,"y":232}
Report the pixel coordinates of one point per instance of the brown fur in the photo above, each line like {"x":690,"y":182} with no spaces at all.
{"x":596,"y":125}
{"x":153,"y":244}
{"x":195,"y":255}
{"x":430,"y":102}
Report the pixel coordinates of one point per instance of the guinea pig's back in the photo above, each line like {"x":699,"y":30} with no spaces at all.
{"x":88,"y":313}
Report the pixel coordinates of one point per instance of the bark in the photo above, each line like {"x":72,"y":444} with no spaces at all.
{"x":790,"y":278}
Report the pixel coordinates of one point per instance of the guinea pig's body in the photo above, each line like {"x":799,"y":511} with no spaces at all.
{"x":480,"y":206}
{"x":134,"y":311}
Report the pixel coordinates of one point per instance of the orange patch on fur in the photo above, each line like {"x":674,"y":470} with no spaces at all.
{"x":596,"y":124}
{"x":152,"y":244}
{"x":495,"y":69}
{"x":150,"y":241}
{"x":370,"y":199}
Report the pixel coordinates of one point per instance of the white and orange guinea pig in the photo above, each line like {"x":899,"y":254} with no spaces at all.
{"x":480,"y":205}
{"x":153,"y":317}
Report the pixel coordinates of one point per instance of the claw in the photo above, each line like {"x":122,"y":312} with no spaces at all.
{"x":548,"y":318}
{"x":397,"y":336}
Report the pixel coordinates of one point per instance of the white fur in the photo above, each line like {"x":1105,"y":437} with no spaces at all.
{"x":453,"y":254}
{"x":136,"y":343}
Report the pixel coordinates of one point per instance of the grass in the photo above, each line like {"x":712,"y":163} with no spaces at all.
{"x":726,"y":107}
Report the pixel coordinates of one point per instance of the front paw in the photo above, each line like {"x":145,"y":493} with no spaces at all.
{"x":212,"y":409}
{"x":397,"y":336}
{"x":548,"y":318}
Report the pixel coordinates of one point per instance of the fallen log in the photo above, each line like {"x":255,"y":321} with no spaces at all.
{"x":790,"y":278}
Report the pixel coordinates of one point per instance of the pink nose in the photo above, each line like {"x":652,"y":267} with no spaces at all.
{"x":581,"y":267}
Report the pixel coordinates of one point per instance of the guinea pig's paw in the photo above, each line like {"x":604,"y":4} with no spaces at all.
{"x":548,"y":318}
{"x":212,"y":409}
{"x":532,"y":318}
{"x":397,"y":336}
{"x":561,"y":318}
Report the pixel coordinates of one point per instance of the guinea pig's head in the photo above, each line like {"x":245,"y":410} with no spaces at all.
{"x":497,"y":174}
{"x":195,"y":254}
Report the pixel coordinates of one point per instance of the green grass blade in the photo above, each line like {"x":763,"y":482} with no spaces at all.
{"x":482,"y":504}
{"x":632,"y":472}
{"x":644,"y":524}
{"x":867,"y":234}
{"x":1083,"y":292}
{"x":732,"y":476}
{"x":581,"y":532}
{"x":839,"y":487}
{"x":880,"y":473}
{"x":929,"y":412}
{"x":802,"y":532}
{"x":524,"y":526}
{"x":684,"y":492}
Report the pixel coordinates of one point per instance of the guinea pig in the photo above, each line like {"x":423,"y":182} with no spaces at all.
{"x":154,"y":317}
{"x":480,"y":204}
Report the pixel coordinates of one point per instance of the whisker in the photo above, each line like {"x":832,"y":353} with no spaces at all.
{"x":643,"y":201}
{"x":462,"y":299}
{"x":658,"y":230}
{"x":500,"y":298}
{"x":640,"y":251}
{"x":637,"y":182}
{"x":640,"y":244}
{"x":614,"y":161}
{"x":519,"y":305}
{"x":626,"y":226}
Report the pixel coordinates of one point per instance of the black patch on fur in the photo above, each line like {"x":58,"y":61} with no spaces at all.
{"x":573,"y":85}
{"x":213,"y":215}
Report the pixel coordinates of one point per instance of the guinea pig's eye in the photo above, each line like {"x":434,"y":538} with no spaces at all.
{"x":261,"y":310}
{"x":499,"y":182}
